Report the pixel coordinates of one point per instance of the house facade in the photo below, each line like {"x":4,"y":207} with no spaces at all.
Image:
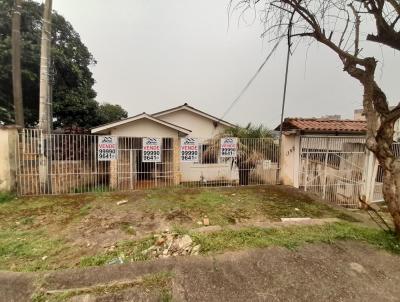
{"x":170,"y":125}
{"x":293,"y":148}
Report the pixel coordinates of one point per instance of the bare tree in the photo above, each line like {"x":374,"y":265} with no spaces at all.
{"x":16,"y":63}
{"x":45,"y":100}
{"x":337,"y":25}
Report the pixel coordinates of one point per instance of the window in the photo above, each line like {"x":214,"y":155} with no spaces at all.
{"x":208,"y":155}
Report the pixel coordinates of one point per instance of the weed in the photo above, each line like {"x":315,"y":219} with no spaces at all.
{"x":127,"y":227}
{"x":85,"y":210}
{"x":151,"y":282}
{"x":6,"y":197}
{"x":26,"y":221}
{"x":129,"y":251}
{"x":293,"y":237}
{"x":24,"y":251}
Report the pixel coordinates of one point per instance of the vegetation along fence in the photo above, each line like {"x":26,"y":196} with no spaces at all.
{"x":71,"y":163}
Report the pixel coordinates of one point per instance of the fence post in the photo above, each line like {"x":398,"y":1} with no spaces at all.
{"x":176,"y":161}
{"x":8,"y":158}
{"x":297,"y":159}
{"x":325,"y":168}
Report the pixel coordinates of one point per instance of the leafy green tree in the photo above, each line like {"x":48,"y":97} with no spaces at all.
{"x":108,"y":113}
{"x":73,"y":94}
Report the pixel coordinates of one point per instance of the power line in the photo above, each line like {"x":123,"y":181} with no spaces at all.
{"x":252,"y":79}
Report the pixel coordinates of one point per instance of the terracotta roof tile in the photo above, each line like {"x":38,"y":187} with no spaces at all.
{"x":324,"y":125}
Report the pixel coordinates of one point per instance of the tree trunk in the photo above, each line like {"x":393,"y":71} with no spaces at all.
{"x":16,"y":63}
{"x":391,"y":193}
{"x":380,"y":133}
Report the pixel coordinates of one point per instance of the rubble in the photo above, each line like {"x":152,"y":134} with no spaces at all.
{"x":172,"y":244}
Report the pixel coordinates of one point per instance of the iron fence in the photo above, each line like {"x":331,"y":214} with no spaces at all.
{"x":333,"y":168}
{"x":70,"y":163}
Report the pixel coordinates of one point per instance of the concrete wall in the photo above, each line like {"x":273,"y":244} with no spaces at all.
{"x":193,"y":172}
{"x":144,"y":128}
{"x":265,"y":173}
{"x":289,"y":160}
{"x":200,"y":126}
{"x":8,"y":140}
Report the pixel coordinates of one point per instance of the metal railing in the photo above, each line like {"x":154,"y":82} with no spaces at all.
{"x":70,"y":163}
{"x":334,"y":167}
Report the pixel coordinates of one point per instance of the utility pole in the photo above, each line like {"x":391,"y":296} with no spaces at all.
{"x":45,"y":106}
{"x":16,"y":63}
{"x":45,"y":120}
{"x":289,"y":45}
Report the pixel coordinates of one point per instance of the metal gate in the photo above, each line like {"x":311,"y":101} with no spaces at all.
{"x":333,"y":168}
{"x":68,"y":163}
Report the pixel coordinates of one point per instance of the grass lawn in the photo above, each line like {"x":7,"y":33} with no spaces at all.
{"x":54,"y":232}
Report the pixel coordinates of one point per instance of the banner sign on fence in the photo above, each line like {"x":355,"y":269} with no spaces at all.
{"x":107,"y":148}
{"x":228,"y":147}
{"x":151,"y":152}
{"x":189,"y":149}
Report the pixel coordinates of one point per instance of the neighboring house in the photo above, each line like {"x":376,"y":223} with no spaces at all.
{"x":294,"y":150}
{"x":171,"y":124}
{"x":323,"y":126}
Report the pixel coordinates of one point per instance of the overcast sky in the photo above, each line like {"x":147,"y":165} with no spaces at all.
{"x":155,"y":54}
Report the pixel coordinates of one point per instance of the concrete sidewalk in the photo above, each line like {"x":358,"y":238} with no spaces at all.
{"x":345,"y":271}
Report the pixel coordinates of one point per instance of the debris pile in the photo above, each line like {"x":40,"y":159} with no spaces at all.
{"x":172,"y":244}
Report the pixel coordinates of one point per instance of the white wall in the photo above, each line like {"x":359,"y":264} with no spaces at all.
{"x":200,"y":126}
{"x":289,"y":161}
{"x":208,"y":172}
{"x":8,"y":140}
{"x":144,"y":128}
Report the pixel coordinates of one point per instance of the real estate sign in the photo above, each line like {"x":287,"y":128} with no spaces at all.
{"x":189,"y":149}
{"x":228,"y":147}
{"x":107,"y":148}
{"x":151,"y":151}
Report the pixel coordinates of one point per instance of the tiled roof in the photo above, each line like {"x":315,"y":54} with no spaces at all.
{"x":324,"y":125}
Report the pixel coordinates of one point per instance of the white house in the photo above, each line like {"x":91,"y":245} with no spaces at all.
{"x":170,"y":125}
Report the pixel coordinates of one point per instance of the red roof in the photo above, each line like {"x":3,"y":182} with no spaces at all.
{"x":324,"y":125}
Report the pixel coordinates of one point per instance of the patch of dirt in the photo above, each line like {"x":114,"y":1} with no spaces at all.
{"x":179,"y":215}
{"x":101,"y":229}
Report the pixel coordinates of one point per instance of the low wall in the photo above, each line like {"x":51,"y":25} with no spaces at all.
{"x":193,"y":172}
{"x":8,"y":139}
{"x":265,"y":173}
